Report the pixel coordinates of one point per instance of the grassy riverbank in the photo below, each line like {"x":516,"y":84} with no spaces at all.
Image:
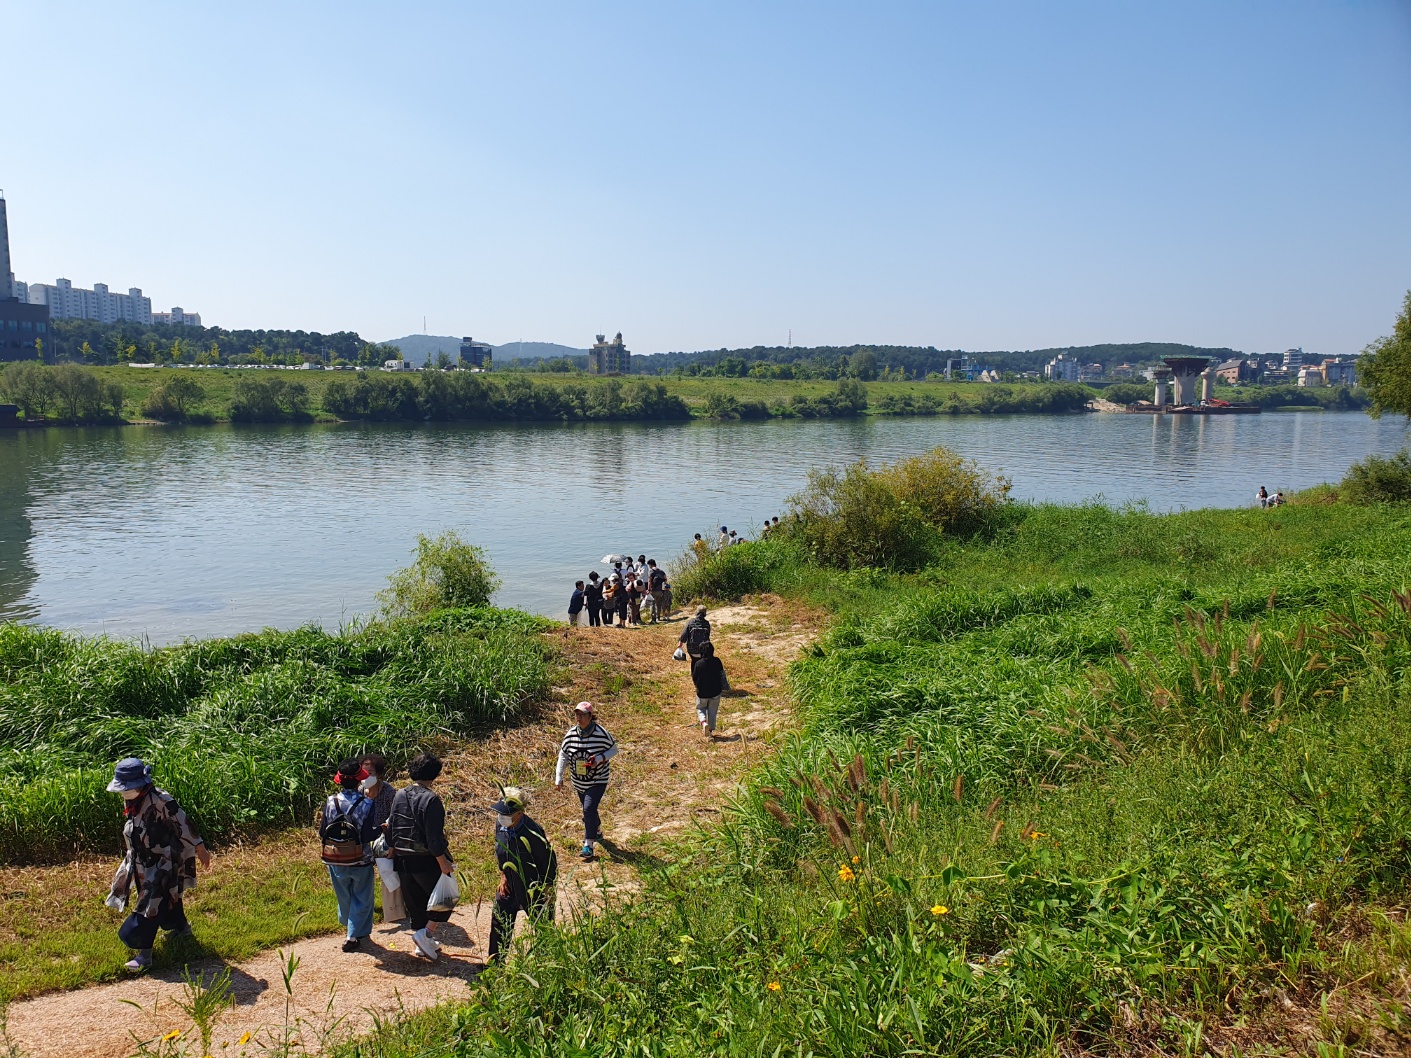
{"x":1088,"y":779}
{"x":69,"y":393}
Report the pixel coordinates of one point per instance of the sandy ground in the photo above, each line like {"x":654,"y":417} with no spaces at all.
{"x":667,"y":777}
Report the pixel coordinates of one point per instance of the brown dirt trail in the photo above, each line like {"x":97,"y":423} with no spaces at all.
{"x":667,"y":777}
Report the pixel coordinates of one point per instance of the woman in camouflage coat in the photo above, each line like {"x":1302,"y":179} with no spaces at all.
{"x":162,"y":850}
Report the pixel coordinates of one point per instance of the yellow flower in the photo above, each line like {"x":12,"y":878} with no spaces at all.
{"x":173,"y":1034}
{"x":243,"y":1040}
{"x":1037,"y":834}
{"x":774,"y":986}
{"x":845,"y":873}
{"x":857,"y":859}
{"x":939,"y":910}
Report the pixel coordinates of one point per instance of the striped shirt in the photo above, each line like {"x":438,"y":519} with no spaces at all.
{"x":580,"y":744}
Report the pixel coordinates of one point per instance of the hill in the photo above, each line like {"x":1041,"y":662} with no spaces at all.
{"x":417,"y":347}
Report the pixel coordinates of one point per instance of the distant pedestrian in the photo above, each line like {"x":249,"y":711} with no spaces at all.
{"x":776,"y":522}
{"x":528,"y":869}
{"x":695,"y":634}
{"x":160,"y":862}
{"x":376,"y":787}
{"x":593,"y":600}
{"x":620,"y":599}
{"x":708,"y":674}
{"x":700,"y":547}
{"x":575,"y":603}
{"x":609,"y":600}
{"x":346,"y":830}
{"x":656,"y":584}
{"x":734,"y":537}
{"x":668,"y":597}
{"x":1263,"y":498}
{"x":417,"y":833}
{"x":724,"y":537}
{"x":584,"y":754}
{"x":1278,"y":500}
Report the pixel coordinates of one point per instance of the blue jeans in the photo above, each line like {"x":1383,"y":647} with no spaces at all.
{"x":353,"y":887}
{"x":591,"y":797}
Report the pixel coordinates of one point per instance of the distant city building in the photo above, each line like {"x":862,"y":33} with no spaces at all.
{"x":22,"y":325}
{"x":1063,"y":368}
{"x":1233,"y":372}
{"x":1092,"y":371}
{"x":1293,"y":359}
{"x":1123,"y":371}
{"x":178,"y":318}
{"x":477,"y":354}
{"x":1340,"y":372}
{"x":68,"y":302}
{"x":609,"y":358}
{"x":1310,"y":377}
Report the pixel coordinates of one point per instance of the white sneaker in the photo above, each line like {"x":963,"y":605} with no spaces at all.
{"x":426,"y":945}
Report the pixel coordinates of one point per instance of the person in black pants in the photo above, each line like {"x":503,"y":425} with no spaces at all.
{"x":528,"y":869}
{"x":593,"y":600}
{"x":416,"y":829}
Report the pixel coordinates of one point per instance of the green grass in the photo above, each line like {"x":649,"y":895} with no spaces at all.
{"x":1144,"y":763}
{"x":243,"y":731}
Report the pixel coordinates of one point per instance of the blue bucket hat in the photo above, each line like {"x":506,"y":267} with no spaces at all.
{"x":130,"y":774}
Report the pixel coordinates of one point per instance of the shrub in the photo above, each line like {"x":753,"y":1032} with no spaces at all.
{"x":731,"y":572}
{"x":1379,"y":480}
{"x":172,"y":400}
{"x":893,"y":517}
{"x":447,"y":572}
{"x":269,"y":400}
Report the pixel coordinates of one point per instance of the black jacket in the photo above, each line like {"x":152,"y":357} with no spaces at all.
{"x":527,"y":860}
{"x":417,"y":824}
{"x":708,"y":674}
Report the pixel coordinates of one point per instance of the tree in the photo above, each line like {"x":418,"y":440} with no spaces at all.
{"x":172,"y":400}
{"x":443,"y":360}
{"x":27,"y":384}
{"x":1385,"y":367}
{"x":78,"y":392}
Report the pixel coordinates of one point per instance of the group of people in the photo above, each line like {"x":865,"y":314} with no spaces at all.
{"x":1265,"y":500}
{"x":625,"y":593}
{"x":370,"y":829}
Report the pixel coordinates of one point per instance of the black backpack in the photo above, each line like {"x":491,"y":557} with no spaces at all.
{"x":341,"y":836}
{"x":697,"y":636}
{"x":657,"y":580}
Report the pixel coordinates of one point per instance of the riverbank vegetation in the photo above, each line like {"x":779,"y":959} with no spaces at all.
{"x":1087,"y":779}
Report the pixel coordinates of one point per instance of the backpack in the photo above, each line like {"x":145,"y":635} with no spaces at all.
{"x":342,"y":836}
{"x":657,"y":580}
{"x":697,"y":636}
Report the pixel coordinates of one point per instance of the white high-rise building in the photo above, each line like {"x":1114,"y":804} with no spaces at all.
{"x":68,"y":302}
{"x":1063,"y":368}
{"x":178,"y":317}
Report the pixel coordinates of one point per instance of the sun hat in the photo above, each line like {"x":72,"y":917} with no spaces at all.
{"x":512,"y":800}
{"x":130,"y":774}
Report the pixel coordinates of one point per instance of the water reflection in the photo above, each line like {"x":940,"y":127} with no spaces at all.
{"x":175,"y":533}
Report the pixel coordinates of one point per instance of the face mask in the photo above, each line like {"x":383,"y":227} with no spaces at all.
{"x":131,"y":795}
{"x":504,"y":821}
{"x":368,"y":783}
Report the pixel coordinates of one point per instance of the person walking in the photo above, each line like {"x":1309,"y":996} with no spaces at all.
{"x":528,"y":869}
{"x":584,"y":753}
{"x":416,"y":830}
{"x":593,"y":600}
{"x":160,"y":862}
{"x":708,"y":674}
{"x":656,"y":584}
{"x":695,"y":634}
{"x":381,"y":793}
{"x":346,"y":831}
{"x":575,"y":602}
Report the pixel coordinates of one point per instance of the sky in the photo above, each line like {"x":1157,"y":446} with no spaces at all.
{"x":996,"y":175}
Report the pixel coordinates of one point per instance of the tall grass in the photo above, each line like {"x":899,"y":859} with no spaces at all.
{"x":242,"y":730}
{"x":1050,"y":795}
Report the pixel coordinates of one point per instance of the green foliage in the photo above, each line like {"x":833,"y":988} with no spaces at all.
{"x":272,"y":399}
{"x":1385,"y":367}
{"x":1095,"y":780}
{"x":172,"y":401}
{"x":737,"y":570}
{"x":242,"y":730}
{"x":27,"y":384}
{"x":894,"y":517}
{"x":447,"y":572}
{"x":1378,"y":480}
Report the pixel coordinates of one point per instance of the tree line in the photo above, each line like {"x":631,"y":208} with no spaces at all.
{"x":94,"y":343}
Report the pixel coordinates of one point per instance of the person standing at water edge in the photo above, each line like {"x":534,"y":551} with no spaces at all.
{"x":1263,"y":498}
{"x":162,"y":850}
{"x":656,"y":584}
{"x":593,"y":600}
{"x":346,"y":831}
{"x":584,"y":754}
{"x":528,"y":869}
{"x":575,"y":602}
{"x":708,"y":674}
{"x":417,"y":832}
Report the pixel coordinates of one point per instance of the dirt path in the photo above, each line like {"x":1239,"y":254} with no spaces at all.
{"x":667,"y":778}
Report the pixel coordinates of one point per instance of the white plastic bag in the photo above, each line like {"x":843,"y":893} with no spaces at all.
{"x":680,"y":655}
{"x":446,"y":895}
{"x":390,"y":882}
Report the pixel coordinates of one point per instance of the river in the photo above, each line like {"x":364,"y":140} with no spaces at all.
{"x":166,"y":533}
